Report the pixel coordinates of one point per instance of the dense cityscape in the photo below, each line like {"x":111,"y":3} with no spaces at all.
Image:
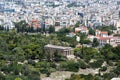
{"x":59,"y":39}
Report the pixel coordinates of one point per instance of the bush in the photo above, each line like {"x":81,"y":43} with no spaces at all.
{"x":18,"y":79}
{"x":117,"y":70}
{"x":30,"y":61}
{"x":109,"y":76}
{"x":110,"y":63}
{"x":96,"y":64}
{"x":82,"y":65}
{"x":63,"y":66}
{"x":69,"y":66}
{"x":2,"y":77}
{"x":103,"y":68}
{"x":72,"y":66}
{"x":87,"y":77}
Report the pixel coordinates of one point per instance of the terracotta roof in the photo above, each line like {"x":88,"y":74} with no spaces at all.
{"x":104,"y":38}
{"x":35,"y":24}
{"x":34,"y":21}
{"x":97,"y":30}
{"x":104,"y":32}
{"x":84,"y":28}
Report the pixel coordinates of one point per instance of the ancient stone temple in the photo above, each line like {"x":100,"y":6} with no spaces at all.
{"x":51,"y":49}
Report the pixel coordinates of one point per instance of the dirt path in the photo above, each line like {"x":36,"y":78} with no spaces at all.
{"x":62,"y":75}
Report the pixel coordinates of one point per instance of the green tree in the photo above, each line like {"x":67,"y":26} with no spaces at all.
{"x":116,"y":50}
{"x":77,"y":24}
{"x":72,"y":66}
{"x":95,"y":42}
{"x":51,"y":29}
{"x":18,"y":79}
{"x":1,"y":27}
{"x":76,"y":77}
{"x":91,"y":31}
{"x":82,"y":38}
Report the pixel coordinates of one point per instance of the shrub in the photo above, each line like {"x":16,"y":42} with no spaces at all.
{"x":96,"y":64}
{"x":103,"y":68}
{"x":30,"y":61}
{"x":82,"y":65}
{"x":72,"y":66}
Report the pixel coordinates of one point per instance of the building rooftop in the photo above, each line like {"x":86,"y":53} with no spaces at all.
{"x":104,"y":32}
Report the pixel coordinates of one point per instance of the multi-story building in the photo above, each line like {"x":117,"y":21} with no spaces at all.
{"x":118,"y":27}
{"x":104,"y":38}
{"x":82,"y":29}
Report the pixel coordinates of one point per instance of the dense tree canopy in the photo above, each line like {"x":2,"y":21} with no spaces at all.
{"x":22,"y":55}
